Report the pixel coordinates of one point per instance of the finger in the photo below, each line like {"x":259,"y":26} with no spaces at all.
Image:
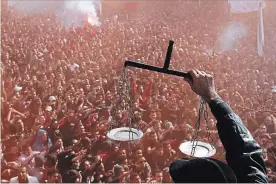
{"x":209,"y":75}
{"x":203,"y":73}
{"x":194,"y":74}
{"x":198,"y":72}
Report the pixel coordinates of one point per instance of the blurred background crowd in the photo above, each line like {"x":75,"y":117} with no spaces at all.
{"x":59,"y":83}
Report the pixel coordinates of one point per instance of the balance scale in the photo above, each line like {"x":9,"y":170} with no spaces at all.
{"x":124,"y":134}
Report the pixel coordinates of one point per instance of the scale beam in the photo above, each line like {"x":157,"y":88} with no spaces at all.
{"x":156,"y":69}
{"x":165,"y":68}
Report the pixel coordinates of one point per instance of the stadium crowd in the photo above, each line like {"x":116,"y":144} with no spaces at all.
{"x":59,"y":84}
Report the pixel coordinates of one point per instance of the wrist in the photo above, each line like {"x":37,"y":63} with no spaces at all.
{"x":212,"y":96}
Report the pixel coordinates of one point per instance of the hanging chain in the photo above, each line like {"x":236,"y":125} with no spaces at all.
{"x":124,"y":103}
{"x":210,"y":139}
{"x":130,"y":108}
{"x":119,"y":99}
{"x":194,"y":141}
{"x":203,"y":107}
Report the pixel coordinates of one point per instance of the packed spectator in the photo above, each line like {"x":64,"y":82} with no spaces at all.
{"x":59,"y":84}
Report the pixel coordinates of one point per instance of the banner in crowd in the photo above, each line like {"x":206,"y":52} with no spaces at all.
{"x":247,"y":6}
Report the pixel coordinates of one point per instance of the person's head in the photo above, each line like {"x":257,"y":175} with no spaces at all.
{"x":59,"y":143}
{"x":44,"y":77}
{"x":268,"y":170}
{"x":153,"y":136}
{"x":48,"y":111}
{"x":71,"y":115}
{"x":122,"y":153}
{"x":76,"y":144}
{"x":158,"y":175}
{"x":167,"y":147}
{"x":118,"y":170}
{"x":87,"y":87}
{"x":40,"y":119}
{"x":27,"y":149}
{"x":86,"y":164}
{"x":123,"y":161}
{"x":19,"y":125}
{"x":98,"y":160}
{"x":86,"y":143}
{"x":71,"y":176}
{"x":59,"y":90}
{"x":183,"y":127}
{"x":22,"y":174}
{"x":76,"y":164}
{"x":55,"y":125}
{"x":119,"y":114}
{"x":225,"y":96}
{"x":158,"y":115}
{"x":138,"y":153}
{"x":140,"y":89}
{"x":201,"y":170}
{"x":135,"y":178}
{"x":159,"y":150}
{"x":53,"y":176}
{"x":51,"y":161}
{"x":268,"y":120}
{"x":39,"y":161}
{"x":157,"y":126}
{"x":153,"y":116}
{"x":212,"y":124}
{"x":140,"y":163}
{"x":263,"y":128}
{"x":114,"y":149}
{"x":44,"y":135}
{"x":138,"y":115}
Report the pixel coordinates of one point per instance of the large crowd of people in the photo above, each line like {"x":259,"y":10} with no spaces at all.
{"x":59,"y":86}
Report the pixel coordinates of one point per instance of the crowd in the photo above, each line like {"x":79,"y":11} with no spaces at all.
{"x":59,"y":84}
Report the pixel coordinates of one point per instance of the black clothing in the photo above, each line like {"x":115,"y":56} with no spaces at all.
{"x":67,"y":131}
{"x":64,"y":161}
{"x":243,"y":154}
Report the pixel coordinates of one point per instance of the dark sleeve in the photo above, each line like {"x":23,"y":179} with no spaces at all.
{"x":64,"y":161}
{"x":243,"y":154}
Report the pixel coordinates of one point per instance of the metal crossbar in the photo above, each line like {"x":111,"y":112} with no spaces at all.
{"x":165,"y":68}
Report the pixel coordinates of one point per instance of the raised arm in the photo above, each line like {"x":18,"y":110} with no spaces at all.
{"x":243,"y":154}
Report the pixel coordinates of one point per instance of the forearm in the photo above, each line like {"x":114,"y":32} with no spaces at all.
{"x":89,"y":103}
{"x":80,"y":106}
{"x":4,"y":94}
{"x":19,"y":113}
{"x":243,"y":154}
{"x":27,"y":160}
{"x":233,"y":133}
{"x":9,"y":116}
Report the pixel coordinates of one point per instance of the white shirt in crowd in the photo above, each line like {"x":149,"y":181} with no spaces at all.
{"x":31,"y":179}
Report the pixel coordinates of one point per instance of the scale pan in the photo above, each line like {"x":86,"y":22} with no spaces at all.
{"x":202,"y":149}
{"x":125,"y":134}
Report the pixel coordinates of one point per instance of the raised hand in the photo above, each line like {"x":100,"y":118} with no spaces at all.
{"x":202,"y":84}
